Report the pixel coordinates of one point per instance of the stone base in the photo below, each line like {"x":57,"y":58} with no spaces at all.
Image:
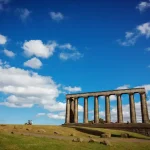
{"x":142,"y":128}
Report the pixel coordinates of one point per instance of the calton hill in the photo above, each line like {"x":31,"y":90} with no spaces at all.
{"x":74,"y":74}
{"x":91,"y":134}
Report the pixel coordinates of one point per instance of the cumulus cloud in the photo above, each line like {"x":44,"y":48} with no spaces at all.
{"x":144,"y":29}
{"x":34,"y":63}
{"x":4,"y":64}
{"x":69,"y":52}
{"x":132,"y":37}
{"x":25,"y":88}
{"x":73,"y":56}
{"x":56,"y":16}
{"x":59,"y":116}
{"x":72,"y":89}
{"x":129,"y":35}
{"x":146,"y":86}
{"x":38,"y":48}
{"x":126,"y":86}
{"x":148,"y":49}
{"x":3,"y":39}
{"x":67,"y":46}
{"x":9,"y":53}
{"x":40,"y":114}
{"x":23,"y":13}
{"x":143,"y":6}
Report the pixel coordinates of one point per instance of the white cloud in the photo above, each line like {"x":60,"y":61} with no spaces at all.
{"x":148,"y":49}
{"x":142,"y":6}
{"x":57,"y":16}
{"x":26,"y":89}
{"x":129,"y":35}
{"x":60,"y":115}
{"x":132,"y":37}
{"x":38,"y":48}
{"x":40,"y":114}
{"x":112,"y":97}
{"x":9,"y":53}
{"x":130,"y":41}
{"x":67,"y":46}
{"x":146,"y":86}
{"x":74,"y":56}
{"x":4,"y":64}
{"x":24,"y":13}
{"x":69,"y":52}
{"x":72,"y":89}
{"x":33,"y":63}
{"x":3,"y":39}
{"x":144,"y":29}
{"x":126,"y":86}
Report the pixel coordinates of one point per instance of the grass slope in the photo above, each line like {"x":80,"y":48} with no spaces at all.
{"x":17,"y":141}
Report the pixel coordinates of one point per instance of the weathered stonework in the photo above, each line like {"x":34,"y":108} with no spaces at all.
{"x":72,"y":105}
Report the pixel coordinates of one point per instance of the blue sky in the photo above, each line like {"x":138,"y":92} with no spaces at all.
{"x":51,"y":48}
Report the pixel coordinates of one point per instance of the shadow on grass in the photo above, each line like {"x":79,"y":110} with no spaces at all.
{"x":93,"y":132}
{"x":99,"y":133}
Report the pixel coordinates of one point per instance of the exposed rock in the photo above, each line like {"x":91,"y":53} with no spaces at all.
{"x":56,"y":132}
{"x":106,"y":142}
{"x":15,"y":127}
{"x":27,"y":129}
{"x":90,"y":136}
{"x":106,"y":135}
{"x":125,"y":135}
{"x":91,"y":141}
{"x":72,"y":134}
{"x":41,"y":131}
{"x":77,"y":140}
{"x":74,"y":140}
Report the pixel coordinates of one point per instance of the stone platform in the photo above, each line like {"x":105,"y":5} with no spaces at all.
{"x":141,"y":128}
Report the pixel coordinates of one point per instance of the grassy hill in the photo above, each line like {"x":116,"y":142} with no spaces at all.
{"x":21,"y":137}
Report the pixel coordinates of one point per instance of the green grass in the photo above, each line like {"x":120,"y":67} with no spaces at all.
{"x":18,"y":142}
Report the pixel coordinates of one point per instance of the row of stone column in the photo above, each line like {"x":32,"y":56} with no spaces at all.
{"x":72,"y":109}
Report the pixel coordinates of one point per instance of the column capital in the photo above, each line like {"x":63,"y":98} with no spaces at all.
{"x":85,"y":97}
{"x":96,"y":96}
{"x":107,"y":96}
{"x":118,"y":95}
{"x":142,"y":93}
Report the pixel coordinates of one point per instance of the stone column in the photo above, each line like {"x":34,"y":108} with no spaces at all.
{"x":144,"y":111}
{"x":132,"y":109}
{"x":72,"y":111}
{"x":76,"y":110}
{"x":85,"y":110}
{"x":107,"y":109}
{"x":119,"y":109}
{"x":96,"y":110}
{"x":67,"y":110}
